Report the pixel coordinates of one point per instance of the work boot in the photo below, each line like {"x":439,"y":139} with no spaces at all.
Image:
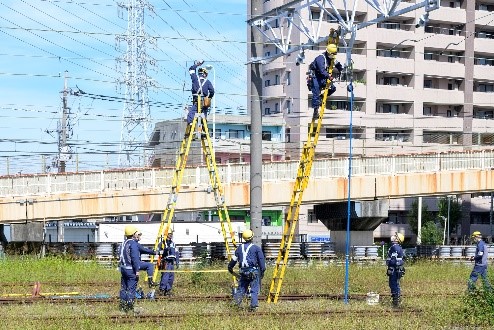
{"x":396,"y":300}
{"x":151,"y":283}
{"x":123,"y":306}
{"x":253,"y":308}
{"x":316,"y":114}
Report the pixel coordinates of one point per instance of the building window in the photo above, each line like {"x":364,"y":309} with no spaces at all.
{"x":448,"y":113}
{"x":276,"y":79}
{"x":391,"y":108}
{"x":427,"y":111}
{"x":450,"y":86}
{"x":267,"y":83}
{"x":236,"y":134}
{"x":288,"y":78}
{"x":287,"y":135}
{"x":267,"y":111}
{"x":276,"y":108}
{"x":267,"y":54}
{"x":427,"y":83}
{"x":288,"y":106}
{"x":393,"y":81}
{"x":451,"y":59}
{"x":428,"y":56}
{"x":311,"y":217}
{"x":315,"y":14}
{"x":266,"y":135}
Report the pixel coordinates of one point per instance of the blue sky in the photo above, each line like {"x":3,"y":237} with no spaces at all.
{"x":41,"y":39}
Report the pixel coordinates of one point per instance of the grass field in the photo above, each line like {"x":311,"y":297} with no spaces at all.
{"x":434,"y":297}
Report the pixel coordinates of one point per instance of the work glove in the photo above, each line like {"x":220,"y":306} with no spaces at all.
{"x":198,"y":62}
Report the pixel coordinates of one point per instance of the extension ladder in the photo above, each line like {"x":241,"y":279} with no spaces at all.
{"x":214,"y":179}
{"x":303,"y":173}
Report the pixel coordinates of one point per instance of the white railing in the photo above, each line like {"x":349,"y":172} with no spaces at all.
{"x":159,"y":178}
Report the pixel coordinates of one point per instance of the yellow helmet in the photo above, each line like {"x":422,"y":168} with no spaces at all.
{"x":203,"y":71}
{"x":398,"y":237}
{"x":332,"y":49}
{"x":248,"y":235}
{"x":476,"y":234}
{"x":130,"y":230}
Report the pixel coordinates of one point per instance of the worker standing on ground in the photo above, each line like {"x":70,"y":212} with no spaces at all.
{"x":169,"y":262}
{"x":395,"y":270}
{"x":319,"y":75}
{"x":252,"y":267}
{"x":200,"y":86}
{"x":480,"y":259}
{"x":130,"y":265}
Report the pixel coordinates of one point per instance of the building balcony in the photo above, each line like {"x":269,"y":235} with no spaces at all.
{"x":390,"y":120}
{"x":483,"y":99}
{"x":483,"y":125}
{"x":443,"y":69}
{"x":359,"y":90}
{"x":441,"y":96}
{"x":268,"y":5}
{"x":483,"y":72}
{"x":361,"y":6}
{"x":395,"y":64}
{"x":483,"y":45}
{"x":276,"y":64}
{"x":439,"y":123}
{"x":441,"y":41}
{"x":395,"y":93}
{"x":274,"y":91}
{"x":483,"y":18}
{"x":454,"y":15}
{"x":395,"y":37}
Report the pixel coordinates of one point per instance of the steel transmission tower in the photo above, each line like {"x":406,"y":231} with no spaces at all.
{"x":136,"y":117}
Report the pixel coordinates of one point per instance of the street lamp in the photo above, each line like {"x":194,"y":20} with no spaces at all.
{"x":209,"y":68}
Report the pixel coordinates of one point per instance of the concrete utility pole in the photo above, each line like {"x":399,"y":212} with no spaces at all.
{"x":62,"y":148}
{"x":254,"y":104}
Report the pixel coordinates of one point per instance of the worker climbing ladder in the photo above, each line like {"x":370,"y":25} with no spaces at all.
{"x":303,"y":173}
{"x":202,"y":134}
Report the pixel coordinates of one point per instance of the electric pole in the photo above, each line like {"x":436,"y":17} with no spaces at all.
{"x":62,"y":147}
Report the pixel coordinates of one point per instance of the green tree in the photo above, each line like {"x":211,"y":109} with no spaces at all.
{"x":427,"y":216}
{"x":432,"y":234}
{"x":454,"y":211}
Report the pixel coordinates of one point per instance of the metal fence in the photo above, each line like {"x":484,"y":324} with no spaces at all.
{"x":158,"y":178}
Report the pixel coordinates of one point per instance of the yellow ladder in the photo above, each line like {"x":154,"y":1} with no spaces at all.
{"x":214,"y":179}
{"x":303,"y":173}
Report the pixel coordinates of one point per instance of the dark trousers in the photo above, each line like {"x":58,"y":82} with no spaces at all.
{"x":317,"y":84}
{"x":474,"y":275}
{"x":167,"y":278}
{"x":193,"y":111}
{"x":128,"y":285}
{"x":243,"y":286}
{"x":148,"y":267}
{"x":394,"y":283}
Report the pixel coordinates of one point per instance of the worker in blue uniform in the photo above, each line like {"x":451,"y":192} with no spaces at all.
{"x":480,"y":266}
{"x":252,"y":267}
{"x":395,"y":267}
{"x":200,"y":86}
{"x":319,"y":76}
{"x":130,"y":265}
{"x":170,"y":261}
{"x":144,"y":265}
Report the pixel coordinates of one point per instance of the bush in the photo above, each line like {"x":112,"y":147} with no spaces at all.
{"x":478,"y":307}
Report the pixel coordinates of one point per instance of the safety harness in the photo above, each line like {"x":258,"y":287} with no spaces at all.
{"x":122,"y":259}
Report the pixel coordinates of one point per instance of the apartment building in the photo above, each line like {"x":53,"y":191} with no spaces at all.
{"x":416,"y":89}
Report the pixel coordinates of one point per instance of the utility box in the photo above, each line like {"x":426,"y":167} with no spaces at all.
{"x":26,"y":232}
